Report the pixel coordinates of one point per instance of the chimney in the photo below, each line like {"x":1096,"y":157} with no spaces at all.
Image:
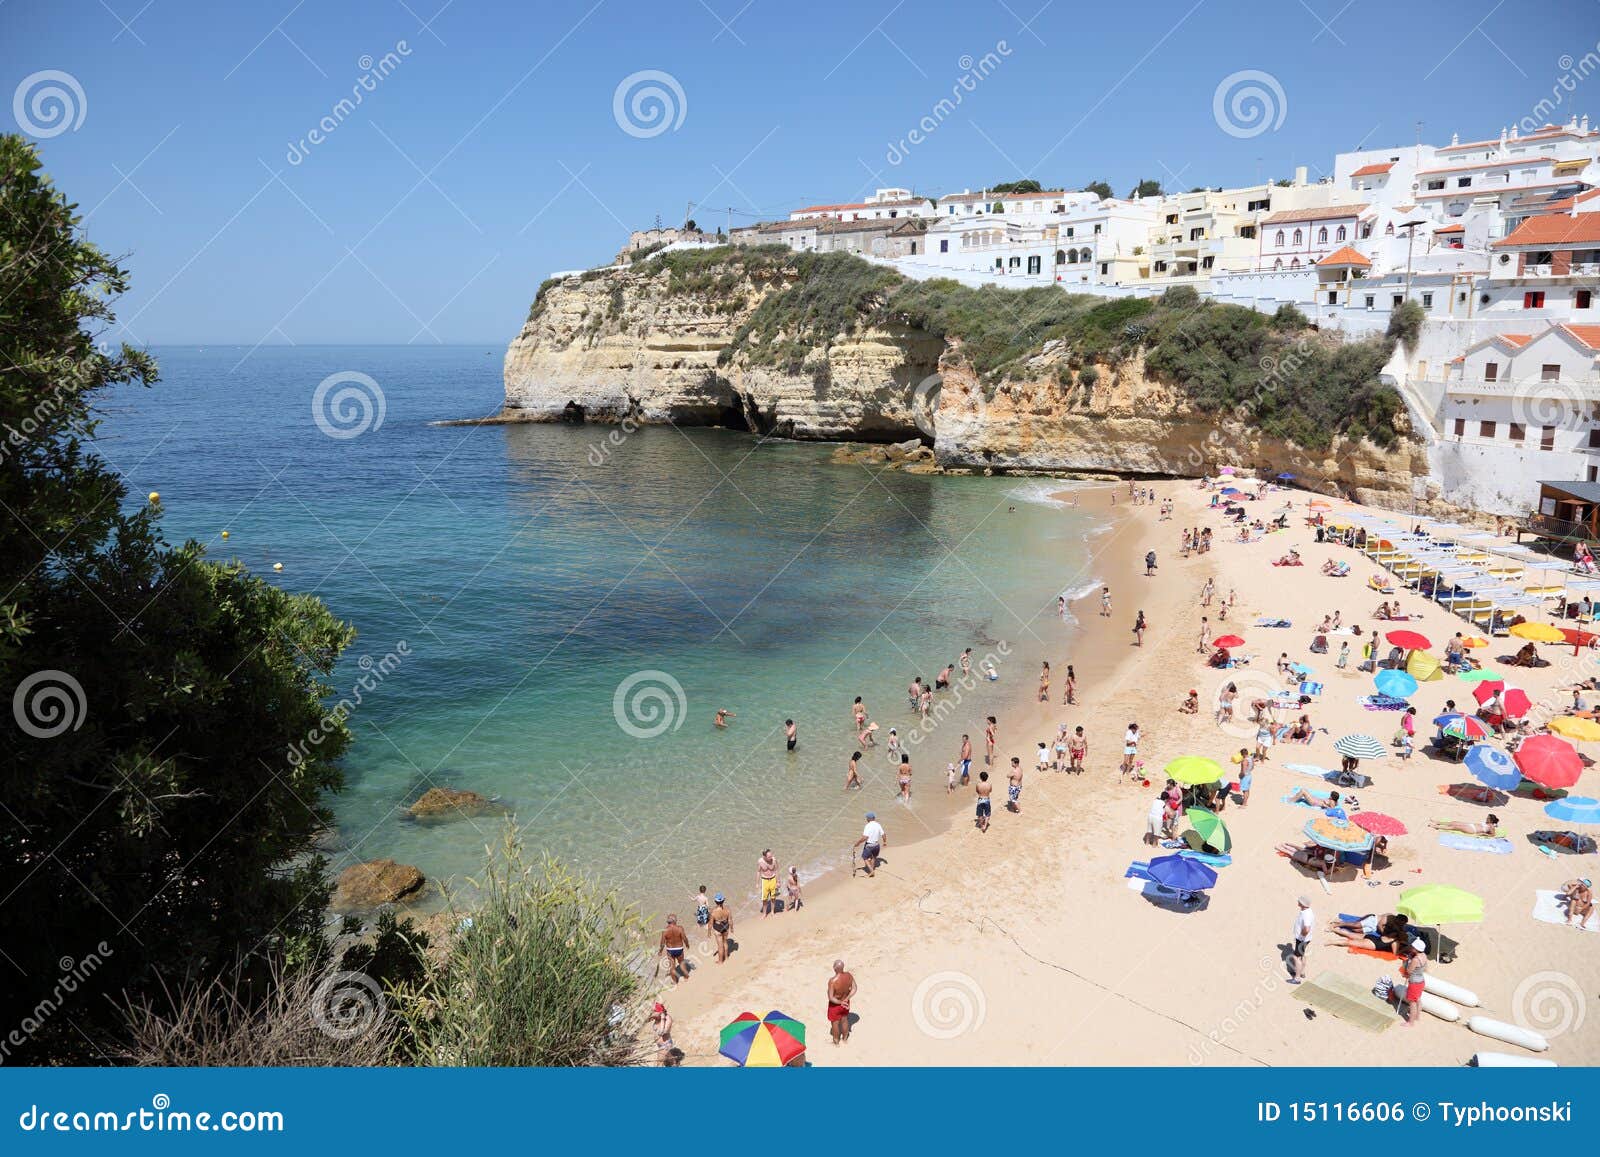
{"x":1300,"y":175}
{"x":1583,"y":125}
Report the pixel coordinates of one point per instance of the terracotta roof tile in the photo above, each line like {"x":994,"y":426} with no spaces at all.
{"x":1332,"y":212}
{"x":1376,"y":170}
{"x":1589,"y":335}
{"x":1555,"y":229}
{"x":1345,"y":256}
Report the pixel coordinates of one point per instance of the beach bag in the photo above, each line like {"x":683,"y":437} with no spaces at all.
{"x":1384,"y":989}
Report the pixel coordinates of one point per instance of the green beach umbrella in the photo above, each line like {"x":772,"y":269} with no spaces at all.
{"x":1193,"y":769}
{"x":1211,"y":828}
{"x":1440,"y":904}
{"x":1482,"y":674}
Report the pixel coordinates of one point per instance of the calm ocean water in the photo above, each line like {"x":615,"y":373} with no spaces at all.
{"x":522,"y":575}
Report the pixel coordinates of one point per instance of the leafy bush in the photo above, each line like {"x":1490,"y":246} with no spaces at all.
{"x":1290,"y":317}
{"x":536,"y":979}
{"x":831,"y":294}
{"x":644,"y":252}
{"x":1405,"y":324}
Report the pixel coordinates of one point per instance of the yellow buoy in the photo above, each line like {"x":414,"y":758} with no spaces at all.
{"x":155,"y":496}
{"x":277,"y":566}
{"x":224,"y":534}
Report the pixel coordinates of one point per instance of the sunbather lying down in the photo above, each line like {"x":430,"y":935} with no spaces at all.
{"x":1290,"y":559}
{"x":1489,"y":827}
{"x":1312,"y":857}
{"x":1301,"y":795}
{"x":1380,"y":933}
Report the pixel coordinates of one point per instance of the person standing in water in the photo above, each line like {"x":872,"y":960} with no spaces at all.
{"x":852,"y":773}
{"x":1044,"y":683}
{"x":966,"y":663}
{"x":1069,"y":693}
{"x":990,"y":729}
{"x":966,"y":758}
{"x":789,"y":736}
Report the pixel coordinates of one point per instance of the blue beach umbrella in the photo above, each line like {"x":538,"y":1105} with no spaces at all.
{"x":1230,"y":490}
{"x":1285,"y":477}
{"x":1395,"y":684}
{"x":1181,"y":874}
{"x":1492,"y":767}
{"x":1575,"y":809}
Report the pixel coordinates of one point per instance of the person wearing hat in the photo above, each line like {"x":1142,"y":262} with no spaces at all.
{"x":661,"y":1020}
{"x":1580,"y":900}
{"x":721,"y":926}
{"x":871,"y":844}
{"x":1304,"y":921}
{"x":1414,"y":966}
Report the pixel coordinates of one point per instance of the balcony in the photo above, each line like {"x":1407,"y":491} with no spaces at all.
{"x":1576,"y":269}
{"x":1562,"y":391}
{"x":1563,"y":529}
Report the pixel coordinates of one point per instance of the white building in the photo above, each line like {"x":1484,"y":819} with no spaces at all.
{"x":883,"y":205}
{"x":1296,"y":238}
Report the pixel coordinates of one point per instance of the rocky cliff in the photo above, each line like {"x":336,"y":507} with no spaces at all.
{"x":636,"y":343}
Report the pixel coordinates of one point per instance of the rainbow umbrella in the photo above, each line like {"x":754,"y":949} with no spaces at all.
{"x":1492,"y":767}
{"x":1465,"y":727}
{"x":1338,"y":835}
{"x":771,"y":1042}
{"x":1194,"y":769}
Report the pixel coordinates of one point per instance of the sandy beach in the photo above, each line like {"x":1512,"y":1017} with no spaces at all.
{"x":1026,"y":945}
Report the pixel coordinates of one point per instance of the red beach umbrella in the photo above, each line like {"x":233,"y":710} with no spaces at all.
{"x":1578,"y":639}
{"x":1378,"y":824}
{"x":1410,"y":640}
{"x":1516,"y":700}
{"x":1484,"y":688}
{"x":1228,"y":641}
{"x":1548,"y":761}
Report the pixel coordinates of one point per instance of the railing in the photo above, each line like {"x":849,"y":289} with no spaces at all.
{"x":1563,"y":391}
{"x":1562,"y":528}
{"x":1576,"y":269}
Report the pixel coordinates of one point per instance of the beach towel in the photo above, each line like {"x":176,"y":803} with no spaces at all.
{"x":1273,"y":623}
{"x":1462,"y":842}
{"x":1302,"y":803}
{"x":1310,"y":688}
{"x":1138,"y":870}
{"x":1382,"y":703}
{"x":1342,"y":997}
{"x":1208,"y":858}
{"x":1379,"y":953}
{"x":1551,"y":908}
{"x":1312,"y":770}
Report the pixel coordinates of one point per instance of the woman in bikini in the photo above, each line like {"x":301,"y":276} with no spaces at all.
{"x":1489,"y":827}
{"x":1044,"y":683}
{"x":1069,"y":694}
{"x":859,"y":710}
{"x":852,"y":773}
{"x":905,"y":778}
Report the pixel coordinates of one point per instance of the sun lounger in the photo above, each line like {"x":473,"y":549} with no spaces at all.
{"x":1551,"y":908}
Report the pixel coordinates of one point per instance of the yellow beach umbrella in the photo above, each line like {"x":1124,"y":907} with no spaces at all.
{"x":1473,"y":642}
{"x":1423,"y":667}
{"x":1194,"y":769}
{"x":1538,"y":632}
{"x":1571,"y":727}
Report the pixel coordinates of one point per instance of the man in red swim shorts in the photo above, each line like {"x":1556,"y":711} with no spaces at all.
{"x":841,"y":989}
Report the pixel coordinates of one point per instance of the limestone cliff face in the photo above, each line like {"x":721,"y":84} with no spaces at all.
{"x":623,"y":345}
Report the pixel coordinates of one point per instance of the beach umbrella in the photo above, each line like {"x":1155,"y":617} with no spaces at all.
{"x":1230,"y":490}
{"x":1395,"y":684}
{"x":1210,"y":827}
{"x":1538,"y":632}
{"x":1578,"y":639}
{"x":1193,"y":769}
{"x":1378,"y":824}
{"x":1285,"y":477}
{"x":1473,"y":642}
{"x":1570,"y":726}
{"x":1228,"y":641}
{"x":1337,"y":835}
{"x":1360,"y":747}
{"x":1465,"y":727}
{"x":1225,"y":470}
{"x":1481,"y":675}
{"x":1423,"y":667}
{"x":1548,"y":761}
{"x":1440,"y":904}
{"x":1410,"y":640}
{"x":1182,"y":874}
{"x":1514,"y":699}
{"x":1319,"y":504}
{"x":1575,"y":809}
{"x":771,"y":1042}
{"x":1492,"y":767}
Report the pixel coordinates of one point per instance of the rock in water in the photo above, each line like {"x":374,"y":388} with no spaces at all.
{"x":377,"y":882}
{"x":449,"y":803}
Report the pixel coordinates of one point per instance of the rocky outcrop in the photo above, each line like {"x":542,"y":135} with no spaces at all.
{"x":626,"y":345}
{"x":376,"y":882}
{"x":443,"y":803}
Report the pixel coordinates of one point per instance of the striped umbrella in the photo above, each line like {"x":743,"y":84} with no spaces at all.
{"x":1338,"y":835}
{"x":771,"y":1042}
{"x":1360,"y":747}
{"x":1492,"y":767}
{"x":1514,"y":699}
{"x":1575,"y":809}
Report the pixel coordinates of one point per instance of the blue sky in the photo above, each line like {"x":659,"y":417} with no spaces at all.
{"x":490,"y":154}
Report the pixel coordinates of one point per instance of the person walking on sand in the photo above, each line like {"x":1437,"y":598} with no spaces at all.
{"x":721,"y":926}
{"x":1305,"y":921}
{"x":852,"y":773}
{"x":674,"y":944}
{"x":1130,"y":750}
{"x":661,"y":1022}
{"x":1204,"y":643}
{"x":1247,"y":768}
{"x":1077,"y":751}
{"x":871,"y":843}
{"x":767,"y":875}
{"x":950,"y":779}
{"x":1105,"y":602}
{"x":990,"y":728}
{"x":1414,"y":966}
{"x":841,"y":991}
{"x":1069,"y":693}
{"x":1014,"y":786}
{"x":791,"y":887}
{"x":1139,"y":628}
{"x":966,"y":758}
{"x":1208,"y":590}
{"x":1149,"y":563}
{"x":983,"y":789}
{"x":1343,"y":660}
{"x":1044,"y":683}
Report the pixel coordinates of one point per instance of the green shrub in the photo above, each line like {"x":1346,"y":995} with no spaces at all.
{"x":1405,"y":324}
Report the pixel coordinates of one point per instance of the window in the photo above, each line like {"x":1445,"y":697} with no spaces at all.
{"x":1340,"y":235}
{"x":1434,"y":185}
{"x":1518,"y":432}
{"x":1279,"y":241}
{"x":1549,"y":373}
{"x":1594,"y":473}
{"x":1366,"y":229}
{"x":1034,"y":264}
{"x":1333,"y":297}
{"x":1461,"y":427}
{"x":1491,"y":371}
{"x":1196,"y":234}
{"x":1069,"y":230}
{"x":1396,"y":300}
{"x":1533,"y":299}
{"x":913,"y":249}
{"x":1097,"y":229}
{"x":1594,"y":438}
{"x":1295,"y":264}
{"x":1297,"y":236}
{"x":1427,"y":301}
{"x":1371,"y":301}
{"x":1582,"y":299}
{"x":1061,"y":256}
{"x":1016,"y":263}
{"x":1247,"y":231}
{"x":1105,"y":268}
{"x":1463,"y":182}
{"x":944,"y":246}
{"x":1388,"y":230}
{"x":1322,"y":235}
{"x":1277,"y":265}
{"x":1486,"y":429}
{"x":1547,"y":439}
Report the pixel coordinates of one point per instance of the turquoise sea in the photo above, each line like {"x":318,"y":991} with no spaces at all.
{"x":550,"y":615}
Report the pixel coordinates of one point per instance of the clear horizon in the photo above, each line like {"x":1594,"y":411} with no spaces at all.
{"x":491,"y":145}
